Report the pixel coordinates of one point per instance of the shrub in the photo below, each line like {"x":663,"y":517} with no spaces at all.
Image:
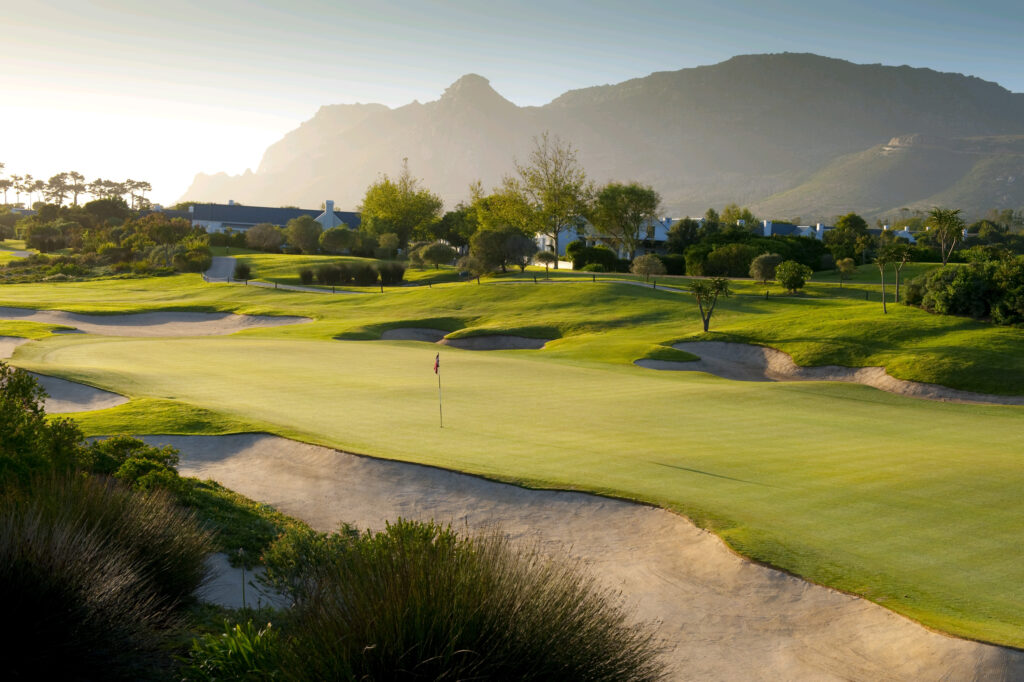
{"x":242,"y":271}
{"x":420,"y":599}
{"x":675,"y":264}
{"x":603,"y":256}
{"x":792,"y":275}
{"x":337,"y":239}
{"x":306,"y":276}
{"x":328,"y":274}
{"x":391,"y":273}
{"x":647,"y":265}
{"x":762,"y":268}
{"x":264,"y":237}
{"x":593,"y":267}
{"x":363,"y":275}
{"x":730,"y":260}
{"x":437,"y":253}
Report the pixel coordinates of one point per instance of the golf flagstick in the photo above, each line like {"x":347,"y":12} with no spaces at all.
{"x":437,"y":371}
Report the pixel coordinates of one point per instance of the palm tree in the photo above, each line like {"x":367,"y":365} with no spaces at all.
{"x":77,"y":185}
{"x":5,"y":185}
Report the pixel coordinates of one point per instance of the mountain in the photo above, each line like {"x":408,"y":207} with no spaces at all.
{"x":790,"y":134}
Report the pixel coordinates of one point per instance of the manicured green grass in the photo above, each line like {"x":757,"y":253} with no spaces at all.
{"x":913,"y":504}
{"x":284,"y":268}
{"x":868,"y":274}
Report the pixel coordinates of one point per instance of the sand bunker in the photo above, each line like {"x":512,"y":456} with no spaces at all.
{"x":71,"y":396}
{"x":745,"y":362}
{"x":727,"y":618}
{"x":235,"y":587}
{"x":495,"y":342}
{"x":151,"y":324}
{"x":413,"y":334}
{"x":8,"y":344}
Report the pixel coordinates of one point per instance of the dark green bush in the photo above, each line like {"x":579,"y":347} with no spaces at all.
{"x":592,"y":267}
{"x":363,"y":275}
{"x":242,"y":271}
{"x":675,"y":264}
{"x":306,"y":276}
{"x":328,"y":274}
{"x":419,"y":602}
{"x":987,"y":289}
{"x":585,"y":255}
{"x":391,"y":273}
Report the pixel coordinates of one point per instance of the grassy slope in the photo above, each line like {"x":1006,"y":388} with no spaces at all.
{"x":911,"y":503}
{"x":284,"y":269}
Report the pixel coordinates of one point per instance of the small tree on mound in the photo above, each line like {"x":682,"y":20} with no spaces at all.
{"x":337,"y":239}
{"x":547,"y":258}
{"x":647,"y":265}
{"x":707,"y":292}
{"x":763,"y":267}
{"x":264,"y":237}
{"x":846,"y":268}
{"x":437,"y":253}
{"x":792,"y":275}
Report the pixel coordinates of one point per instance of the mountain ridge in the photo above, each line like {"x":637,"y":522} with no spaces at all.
{"x":750,"y":129}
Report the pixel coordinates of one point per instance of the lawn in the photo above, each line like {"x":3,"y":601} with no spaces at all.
{"x":284,"y":269}
{"x":913,"y":504}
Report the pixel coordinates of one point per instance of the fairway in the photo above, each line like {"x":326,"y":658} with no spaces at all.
{"x":911,"y":503}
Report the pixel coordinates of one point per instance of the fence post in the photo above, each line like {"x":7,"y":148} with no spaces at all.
{"x":593,"y":278}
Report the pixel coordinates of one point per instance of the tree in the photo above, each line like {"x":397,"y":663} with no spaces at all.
{"x":76,"y":185}
{"x":16,"y":185}
{"x":400,"y":206}
{"x":264,"y":237}
{"x":242,"y":271}
{"x":682,"y":234}
{"x":554,"y":186}
{"x":57,"y":188}
{"x":947,"y":229}
{"x":499,"y":248}
{"x":762,"y":268}
{"x":792,"y":275}
{"x":6,"y":184}
{"x":437,"y":253}
{"x":387,"y":243}
{"x":303,"y":233}
{"x":882,"y":258}
{"x":457,"y":225}
{"x":842,"y":241}
{"x":647,"y":265}
{"x":899,"y":254}
{"x":707,"y":292}
{"x":846,"y":268}
{"x":547,"y":258}
{"x":337,"y":239}
{"x":733,"y":215}
{"x":622,"y":211}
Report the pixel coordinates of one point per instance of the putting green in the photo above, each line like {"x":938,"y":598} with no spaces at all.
{"x":913,"y":504}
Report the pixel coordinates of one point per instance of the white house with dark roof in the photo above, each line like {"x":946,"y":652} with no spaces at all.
{"x":238,"y":218}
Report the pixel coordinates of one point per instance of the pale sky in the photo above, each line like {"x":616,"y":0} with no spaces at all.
{"x":160,"y":90}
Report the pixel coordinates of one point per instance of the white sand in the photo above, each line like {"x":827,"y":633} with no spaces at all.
{"x":151,"y":324}
{"x":495,"y":342}
{"x":413,"y":334}
{"x":744,"y":362}
{"x":71,"y":396}
{"x":8,"y":344}
{"x":727,"y":618}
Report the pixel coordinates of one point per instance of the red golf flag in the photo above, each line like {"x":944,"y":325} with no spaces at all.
{"x":437,"y":362}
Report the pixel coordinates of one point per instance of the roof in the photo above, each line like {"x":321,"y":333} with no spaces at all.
{"x":236,"y":214}
{"x":785,"y":229}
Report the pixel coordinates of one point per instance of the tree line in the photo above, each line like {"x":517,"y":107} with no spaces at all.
{"x":70,"y":185}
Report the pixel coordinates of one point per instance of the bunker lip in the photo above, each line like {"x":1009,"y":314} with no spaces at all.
{"x":8,"y":344}
{"x":747,"y":362}
{"x":70,"y":396}
{"x":495,"y":342}
{"x":711,"y":603}
{"x":413,"y":334}
{"x":153,"y":324}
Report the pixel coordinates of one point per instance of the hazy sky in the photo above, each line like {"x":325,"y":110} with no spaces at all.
{"x":159,"y":90}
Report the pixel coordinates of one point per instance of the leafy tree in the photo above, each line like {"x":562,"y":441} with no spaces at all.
{"x":457,"y":226}
{"x":729,"y":260}
{"x":792,"y":275}
{"x":762,"y":268}
{"x":265,"y":237}
{"x":712,"y":221}
{"x":108,"y":209}
{"x":303,"y":233}
{"x":647,"y":265}
{"x":437,"y":253}
{"x":499,"y":248}
{"x":554,"y":186}
{"x":707,"y":291}
{"x":242,"y":271}
{"x":57,"y":188}
{"x":898,"y":253}
{"x":947,"y":229}
{"x":400,"y":206}
{"x":337,"y":239}
{"x":846,"y":268}
{"x":76,"y":185}
{"x":842,"y":240}
{"x":733,"y":215}
{"x":682,"y":234}
{"x":622,"y":211}
{"x":5,"y":185}
{"x":547,"y":258}
{"x":388,"y":243}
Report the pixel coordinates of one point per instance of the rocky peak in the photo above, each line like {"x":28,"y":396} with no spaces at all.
{"x":473,"y":90}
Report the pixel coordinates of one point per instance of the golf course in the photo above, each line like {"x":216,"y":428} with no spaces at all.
{"x":911,"y":503}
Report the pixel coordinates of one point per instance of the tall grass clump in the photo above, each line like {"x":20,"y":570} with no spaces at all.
{"x":418,"y":601}
{"x":77,"y":605}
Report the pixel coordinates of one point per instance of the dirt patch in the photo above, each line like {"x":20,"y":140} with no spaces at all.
{"x":8,"y":344}
{"x":727,"y":618}
{"x":71,"y":396}
{"x":413,"y":334}
{"x":745,"y":362}
{"x":151,"y":324}
{"x":495,"y":342}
